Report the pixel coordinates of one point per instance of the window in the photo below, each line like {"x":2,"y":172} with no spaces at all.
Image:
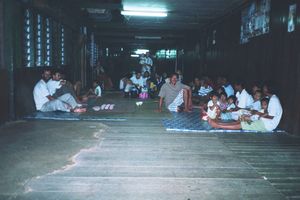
{"x":166,"y":54}
{"x":94,"y":51}
{"x":28,"y":39}
{"x":292,"y":18}
{"x":62,"y":47}
{"x":48,"y":43}
{"x":39,"y":41}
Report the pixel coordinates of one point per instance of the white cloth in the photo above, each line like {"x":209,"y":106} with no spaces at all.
{"x":139,"y":82}
{"x":244,"y":99}
{"x":40,"y":93}
{"x":63,"y":103}
{"x":212,"y":113}
{"x":178,"y":101}
{"x":52,"y":86}
{"x":274,"y":110}
{"x":231,"y":106}
{"x":121,"y":84}
{"x":256,"y":105}
{"x":128,"y":88}
{"x":98,"y":91}
{"x":228,"y":90}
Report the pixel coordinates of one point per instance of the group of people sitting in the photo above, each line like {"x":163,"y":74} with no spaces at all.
{"x":223,"y":105}
{"x":53,"y":93}
{"x":143,"y":85}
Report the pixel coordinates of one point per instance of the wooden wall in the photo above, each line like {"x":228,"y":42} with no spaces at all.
{"x":16,"y":80}
{"x":4,"y":100}
{"x":274,"y":56}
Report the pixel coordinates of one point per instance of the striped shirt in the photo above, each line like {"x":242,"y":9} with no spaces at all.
{"x":203,"y":91}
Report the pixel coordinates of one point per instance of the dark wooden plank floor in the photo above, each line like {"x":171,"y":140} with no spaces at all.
{"x":138,"y":159}
{"x":274,"y":157}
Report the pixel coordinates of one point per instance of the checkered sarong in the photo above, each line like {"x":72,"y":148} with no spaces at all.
{"x":173,"y":107}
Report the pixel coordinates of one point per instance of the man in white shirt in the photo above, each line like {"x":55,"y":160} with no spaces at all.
{"x":58,"y":87}
{"x":55,"y":83}
{"x":45,"y":102}
{"x":267,"y":122}
{"x":244,"y":99}
{"x":137,"y":80}
{"x":146,"y":63}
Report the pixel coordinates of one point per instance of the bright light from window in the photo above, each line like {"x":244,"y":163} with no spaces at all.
{"x":134,"y":55}
{"x":166,"y":54}
{"x":141,"y":51}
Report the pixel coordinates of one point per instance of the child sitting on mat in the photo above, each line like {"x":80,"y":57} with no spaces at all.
{"x":263,"y":111}
{"x":223,"y":101}
{"x":213,"y":106}
{"x":256,"y":105}
{"x":95,"y":91}
{"x":226,"y":114}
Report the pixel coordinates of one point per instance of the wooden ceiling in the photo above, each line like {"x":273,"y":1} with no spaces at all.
{"x":184,"y":18}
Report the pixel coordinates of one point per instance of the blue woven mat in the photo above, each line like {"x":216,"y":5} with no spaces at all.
{"x":68,"y":116}
{"x":191,"y":122}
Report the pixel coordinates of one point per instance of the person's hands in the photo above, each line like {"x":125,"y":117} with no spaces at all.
{"x":63,"y":82}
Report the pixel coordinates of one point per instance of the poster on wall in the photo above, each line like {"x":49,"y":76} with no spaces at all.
{"x":292,"y":18}
{"x":255,"y":20}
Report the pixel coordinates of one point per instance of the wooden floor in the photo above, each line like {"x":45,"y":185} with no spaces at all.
{"x":137,"y":159}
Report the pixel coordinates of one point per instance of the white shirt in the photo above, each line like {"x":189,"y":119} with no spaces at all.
{"x":274,"y":110}
{"x":136,"y":81}
{"x":228,"y":90}
{"x":40,"y":93}
{"x":121,"y":84}
{"x":244,"y":99}
{"x":212,"y":113}
{"x":52,"y":86}
{"x":128,"y":88}
{"x":203,"y":91}
{"x":256,"y":105}
{"x":98,"y":91}
{"x":148,"y":61}
{"x":145,"y":79}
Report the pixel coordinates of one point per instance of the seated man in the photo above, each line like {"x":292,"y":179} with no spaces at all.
{"x":45,"y":102}
{"x":138,"y":82}
{"x":243,"y":100}
{"x":58,"y":87}
{"x":175,"y":94}
{"x":267,"y":122}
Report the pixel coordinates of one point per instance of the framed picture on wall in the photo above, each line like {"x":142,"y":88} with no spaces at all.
{"x":255,"y":19}
{"x":292,"y":18}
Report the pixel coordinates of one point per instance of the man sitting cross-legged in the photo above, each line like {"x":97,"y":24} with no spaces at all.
{"x":45,"y":102}
{"x":58,"y":87}
{"x":175,"y":94}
